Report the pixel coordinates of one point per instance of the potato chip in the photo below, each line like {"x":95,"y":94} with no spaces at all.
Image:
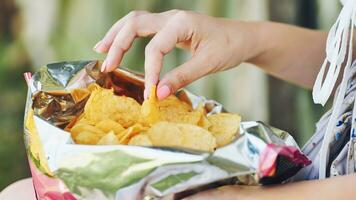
{"x":93,"y":87}
{"x":109,"y":139}
{"x":108,"y":119}
{"x":126,"y":120}
{"x":170,"y":109}
{"x":181,"y":135}
{"x":108,"y":125}
{"x":140,"y":140}
{"x":175,"y":110}
{"x":80,"y":94}
{"x":127,"y":134}
{"x":87,"y":137}
{"x":224,"y":126}
{"x":174,"y":102}
{"x":83,"y":120}
{"x":103,"y":104}
{"x":71,"y":123}
{"x":203,"y":121}
{"x":149,"y":108}
{"x":80,"y":127}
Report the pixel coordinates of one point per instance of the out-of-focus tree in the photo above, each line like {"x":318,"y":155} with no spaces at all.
{"x":13,"y":62}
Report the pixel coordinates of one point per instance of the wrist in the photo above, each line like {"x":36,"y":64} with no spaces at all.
{"x":258,"y":40}
{"x":249,"y":39}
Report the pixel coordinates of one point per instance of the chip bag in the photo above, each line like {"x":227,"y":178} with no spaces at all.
{"x":91,"y":135}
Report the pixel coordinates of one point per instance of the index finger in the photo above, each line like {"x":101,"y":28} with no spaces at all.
{"x":162,"y":43}
{"x":104,"y":44}
{"x":142,"y":26}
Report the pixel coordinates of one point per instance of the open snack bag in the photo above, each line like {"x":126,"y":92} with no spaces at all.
{"x":90,"y":135}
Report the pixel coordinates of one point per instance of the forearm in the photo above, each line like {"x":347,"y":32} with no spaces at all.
{"x":288,"y":52}
{"x":342,"y":187}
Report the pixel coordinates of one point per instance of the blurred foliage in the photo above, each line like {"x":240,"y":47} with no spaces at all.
{"x":33,"y":33}
{"x":13,"y":62}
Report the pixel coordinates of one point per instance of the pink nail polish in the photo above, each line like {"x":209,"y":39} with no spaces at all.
{"x":103,"y":66}
{"x":163,"y":92}
{"x":145,"y":94}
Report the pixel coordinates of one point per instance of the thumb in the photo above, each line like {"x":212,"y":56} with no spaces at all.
{"x":181,"y":76}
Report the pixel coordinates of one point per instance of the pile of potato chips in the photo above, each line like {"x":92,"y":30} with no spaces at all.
{"x":109,"y":119}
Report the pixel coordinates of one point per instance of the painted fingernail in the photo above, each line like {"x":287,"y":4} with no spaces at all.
{"x":103,"y":66}
{"x":163,"y":92}
{"x":96,"y":46}
{"x":145,"y":94}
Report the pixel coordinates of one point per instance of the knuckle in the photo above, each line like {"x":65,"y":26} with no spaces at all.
{"x":175,"y":10}
{"x":182,"y":79}
{"x":106,"y":42}
{"x":134,"y":13}
{"x":131,"y":23}
{"x":150,"y":48}
{"x":211,"y":62}
{"x":123,"y":49}
{"x":119,"y":46}
{"x":182,"y":15}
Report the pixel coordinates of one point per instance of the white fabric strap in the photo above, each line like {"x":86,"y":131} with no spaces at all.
{"x":336,"y":48}
{"x":339,"y":43}
{"x":353,"y":122}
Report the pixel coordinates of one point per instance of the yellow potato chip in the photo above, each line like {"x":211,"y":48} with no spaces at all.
{"x":109,"y":139}
{"x":103,"y":104}
{"x":149,"y":108}
{"x":126,"y":120}
{"x":225,"y":127}
{"x":80,"y":127}
{"x":80,"y":94}
{"x":87,"y":137}
{"x":140,"y":140}
{"x":181,"y":135}
{"x":127,"y":134}
{"x":108,"y":125}
{"x":83,"y":120}
{"x":173,"y":102}
{"x":171,"y":109}
{"x":174,"y":110}
{"x":110,"y":119}
{"x":71,"y":123}
{"x":93,"y":87}
{"x":203,"y":121}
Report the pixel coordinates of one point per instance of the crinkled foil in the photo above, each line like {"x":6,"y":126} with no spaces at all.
{"x":259,"y":155}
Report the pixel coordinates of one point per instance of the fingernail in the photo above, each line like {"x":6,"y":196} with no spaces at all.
{"x":163,"y":92}
{"x":103,"y":66}
{"x":145,"y":94}
{"x":97,"y":45}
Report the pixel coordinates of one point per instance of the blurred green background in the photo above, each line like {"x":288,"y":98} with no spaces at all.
{"x":36,"y":32}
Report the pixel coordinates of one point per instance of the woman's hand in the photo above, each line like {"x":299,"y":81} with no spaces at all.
{"x":291,"y":53}
{"x":216,"y":44}
{"x":229,"y":193}
{"x":341,"y":187}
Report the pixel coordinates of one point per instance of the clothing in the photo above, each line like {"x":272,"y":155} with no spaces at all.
{"x":339,"y":55}
{"x":343,"y":145}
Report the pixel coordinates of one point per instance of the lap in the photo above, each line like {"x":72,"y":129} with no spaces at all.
{"x":22,"y":189}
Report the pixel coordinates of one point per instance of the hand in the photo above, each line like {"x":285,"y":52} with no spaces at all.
{"x":341,"y":187}
{"x":227,"y":193}
{"x":216,"y":44}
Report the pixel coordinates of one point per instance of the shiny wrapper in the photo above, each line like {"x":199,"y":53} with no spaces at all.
{"x":61,"y":169}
